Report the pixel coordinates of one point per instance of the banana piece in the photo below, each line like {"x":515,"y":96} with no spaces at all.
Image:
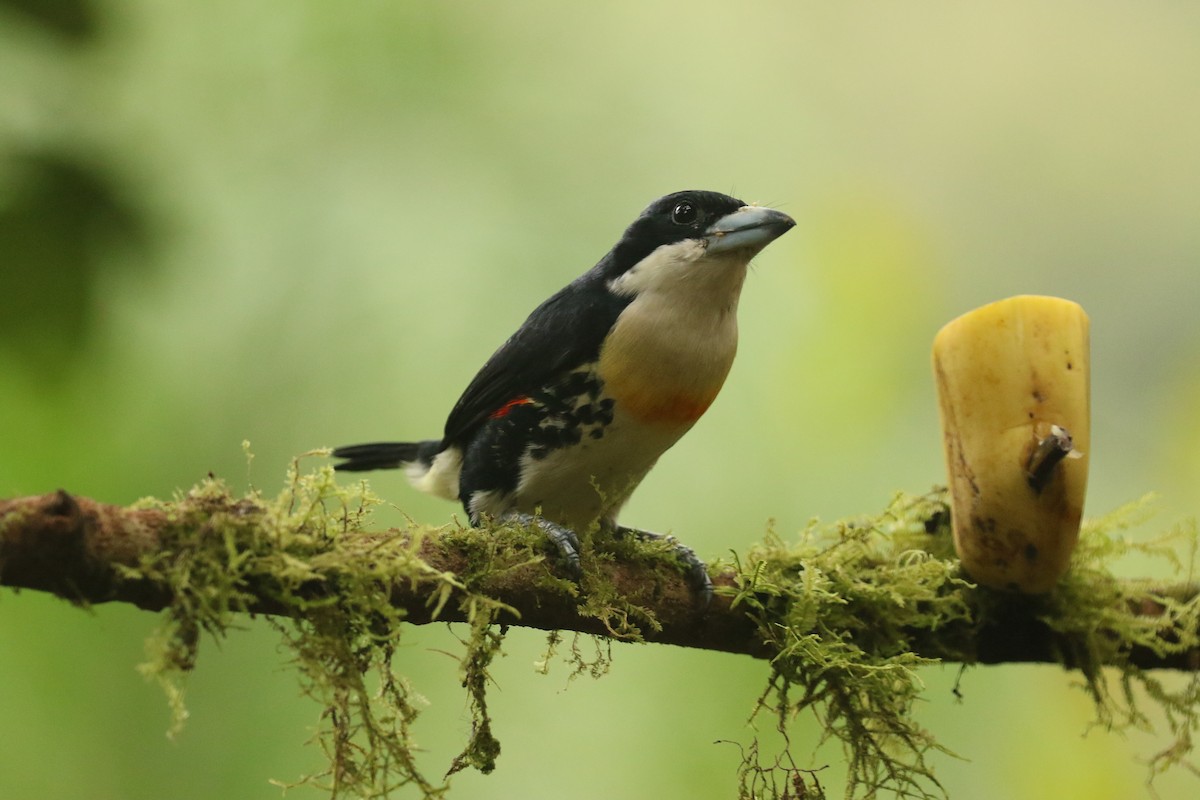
{"x":1013,"y":389}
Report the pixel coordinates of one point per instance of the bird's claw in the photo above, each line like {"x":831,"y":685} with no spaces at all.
{"x":565,"y":540}
{"x":695,"y":569}
{"x":567,"y":543}
{"x":697,"y":572}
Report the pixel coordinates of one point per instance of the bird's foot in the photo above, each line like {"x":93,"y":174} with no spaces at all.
{"x":696,"y":570}
{"x":565,"y":540}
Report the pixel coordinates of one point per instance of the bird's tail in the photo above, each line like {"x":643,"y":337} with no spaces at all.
{"x":384,"y":455}
{"x":428,"y":466}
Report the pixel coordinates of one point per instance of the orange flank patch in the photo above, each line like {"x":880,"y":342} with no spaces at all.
{"x":503,"y":410}
{"x":663,"y":408}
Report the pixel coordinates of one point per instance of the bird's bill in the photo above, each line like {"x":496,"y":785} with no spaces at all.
{"x":748,"y":228}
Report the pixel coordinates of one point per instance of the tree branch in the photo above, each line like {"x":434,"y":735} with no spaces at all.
{"x":90,"y":552}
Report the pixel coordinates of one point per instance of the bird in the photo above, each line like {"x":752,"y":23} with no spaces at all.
{"x":572,"y":411}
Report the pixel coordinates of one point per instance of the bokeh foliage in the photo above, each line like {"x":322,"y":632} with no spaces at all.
{"x":306,"y":223}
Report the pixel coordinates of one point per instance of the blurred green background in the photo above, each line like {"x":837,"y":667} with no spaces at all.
{"x":308,"y":223}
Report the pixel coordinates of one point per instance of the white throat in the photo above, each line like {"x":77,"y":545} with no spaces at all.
{"x":682,"y":275}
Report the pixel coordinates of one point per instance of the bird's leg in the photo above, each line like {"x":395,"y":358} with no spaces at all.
{"x":697,"y":572}
{"x":565,"y":540}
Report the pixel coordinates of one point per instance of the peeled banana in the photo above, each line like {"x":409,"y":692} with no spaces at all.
{"x":1013,"y":389}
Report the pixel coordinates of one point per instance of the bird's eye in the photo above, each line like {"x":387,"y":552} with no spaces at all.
{"x":684,"y":214}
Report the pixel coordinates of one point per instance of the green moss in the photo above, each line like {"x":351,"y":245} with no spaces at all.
{"x":846,"y":609}
{"x":847,"y":605}
{"x":1104,"y":620}
{"x":839,"y":608}
{"x":306,"y":552}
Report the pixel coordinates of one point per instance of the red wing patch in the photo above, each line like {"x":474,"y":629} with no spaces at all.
{"x":503,"y":410}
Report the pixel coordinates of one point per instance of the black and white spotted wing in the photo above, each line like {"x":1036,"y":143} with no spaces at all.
{"x":561,"y":334}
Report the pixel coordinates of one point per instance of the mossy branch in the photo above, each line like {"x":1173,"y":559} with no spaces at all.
{"x":90,"y":552}
{"x":844,"y":615}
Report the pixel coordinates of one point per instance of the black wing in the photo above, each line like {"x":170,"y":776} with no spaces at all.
{"x":561,"y":334}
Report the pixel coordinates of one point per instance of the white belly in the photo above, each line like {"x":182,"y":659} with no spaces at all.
{"x":588,"y":482}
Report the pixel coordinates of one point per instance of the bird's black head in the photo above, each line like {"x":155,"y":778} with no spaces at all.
{"x":670,"y":219}
{"x":687,"y":236}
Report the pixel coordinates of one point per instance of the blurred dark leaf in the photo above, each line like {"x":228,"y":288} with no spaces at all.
{"x":61,"y":222}
{"x":75,"y":19}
